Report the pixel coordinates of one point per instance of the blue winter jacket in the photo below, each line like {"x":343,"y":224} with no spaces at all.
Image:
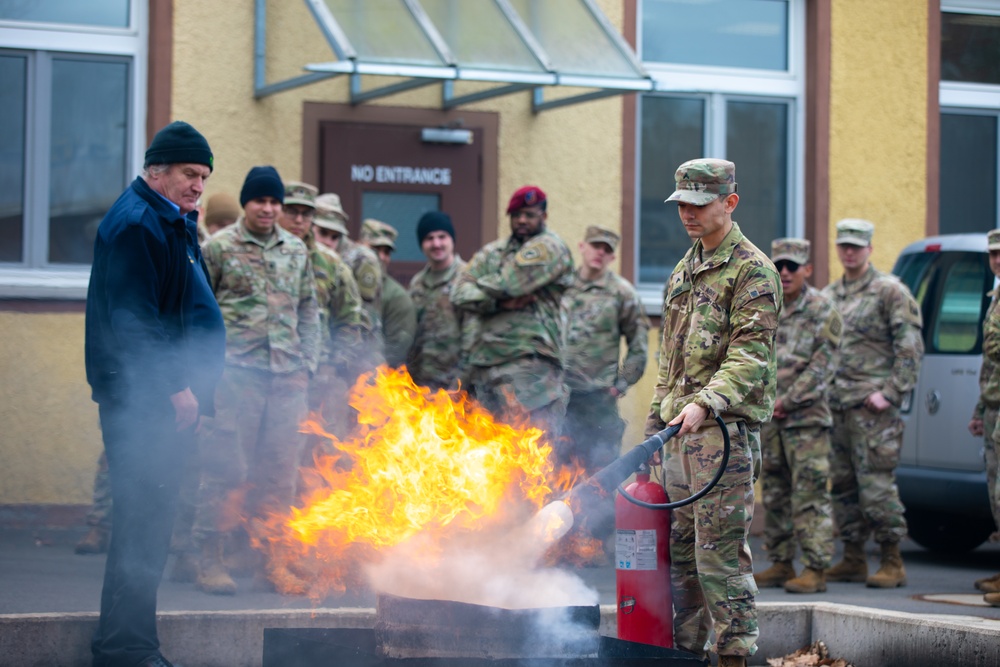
{"x":153,"y":327}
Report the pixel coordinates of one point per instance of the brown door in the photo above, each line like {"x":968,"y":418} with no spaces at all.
{"x":387,"y":172}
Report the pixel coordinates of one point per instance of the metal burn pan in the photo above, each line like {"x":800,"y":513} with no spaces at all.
{"x":410,"y":628}
{"x":440,"y":633}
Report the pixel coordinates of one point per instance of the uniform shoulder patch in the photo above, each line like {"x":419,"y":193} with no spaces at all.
{"x":367,"y":277}
{"x":533,"y":254}
{"x":834,"y":327}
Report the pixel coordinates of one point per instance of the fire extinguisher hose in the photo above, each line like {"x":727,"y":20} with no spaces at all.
{"x":662,"y":437}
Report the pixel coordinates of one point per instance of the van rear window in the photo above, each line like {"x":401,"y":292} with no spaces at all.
{"x":951,"y":288}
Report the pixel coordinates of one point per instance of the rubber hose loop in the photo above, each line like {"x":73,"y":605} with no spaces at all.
{"x":666,"y":435}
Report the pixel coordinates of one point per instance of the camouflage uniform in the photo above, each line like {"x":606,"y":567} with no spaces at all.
{"x":442,"y":341}
{"x":600,"y":313}
{"x":720,"y":313}
{"x":796,"y":449}
{"x":399,"y":321}
{"x":988,"y":406}
{"x":882,"y":332}
{"x":267,"y":295}
{"x":517,"y":362}
{"x":367,"y":272}
{"x":343,"y":326}
{"x":719,"y":321}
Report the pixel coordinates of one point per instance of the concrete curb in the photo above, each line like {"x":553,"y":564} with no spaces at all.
{"x":869,"y":637}
{"x":865,"y":637}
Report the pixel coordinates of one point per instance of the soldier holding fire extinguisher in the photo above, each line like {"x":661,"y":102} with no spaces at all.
{"x":720,"y":314}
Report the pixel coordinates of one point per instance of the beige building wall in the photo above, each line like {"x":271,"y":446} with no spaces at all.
{"x":878,"y":123}
{"x":877,"y":171}
{"x":51,"y":439}
{"x":573,"y":153}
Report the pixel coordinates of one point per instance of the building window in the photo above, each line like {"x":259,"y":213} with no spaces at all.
{"x":970,"y":47}
{"x":749,"y":34}
{"x":969,"y":183}
{"x":968,"y":175}
{"x":72,"y":108}
{"x":740,"y":101}
{"x":107,"y":13}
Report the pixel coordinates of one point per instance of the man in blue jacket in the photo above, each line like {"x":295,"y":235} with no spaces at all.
{"x":155,"y":348}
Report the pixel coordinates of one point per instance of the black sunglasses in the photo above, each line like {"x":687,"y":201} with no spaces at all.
{"x":783,"y":264}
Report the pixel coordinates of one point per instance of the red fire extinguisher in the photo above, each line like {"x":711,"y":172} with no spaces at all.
{"x":642,"y":546}
{"x":642,"y":565}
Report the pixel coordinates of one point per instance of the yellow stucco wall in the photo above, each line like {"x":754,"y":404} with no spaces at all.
{"x":878,"y":122}
{"x":50,"y":441}
{"x":877,"y":171}
{"x":573,"y":153}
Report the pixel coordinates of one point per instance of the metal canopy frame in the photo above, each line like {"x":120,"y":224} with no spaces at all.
{"x":450,"y":70}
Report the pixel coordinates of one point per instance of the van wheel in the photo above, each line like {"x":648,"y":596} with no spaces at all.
{"x":945,"y":533}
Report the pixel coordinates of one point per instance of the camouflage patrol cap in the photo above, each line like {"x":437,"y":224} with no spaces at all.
{"x":330,"y":213}
{"x":993,"y":240}
{"x":597,"y":234}
{"x":855,"y":231}
{"x":701,"y":181}
{"x":377,"y":233}
{"x":795,"y":250}
{"x":303,"y":194}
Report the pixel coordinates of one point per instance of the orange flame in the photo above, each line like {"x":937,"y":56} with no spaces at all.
{"x":422,"y":463}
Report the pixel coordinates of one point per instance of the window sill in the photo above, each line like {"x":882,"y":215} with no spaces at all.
{"x":68,"y":284}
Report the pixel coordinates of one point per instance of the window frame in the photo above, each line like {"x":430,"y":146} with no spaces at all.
{"x":35,"y":276}
{"x":718,"y":86}
{"x":994,"y":112}
{"x":957,"y":97}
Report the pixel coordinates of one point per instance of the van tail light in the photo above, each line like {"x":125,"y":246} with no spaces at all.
{"x":932,"y":247}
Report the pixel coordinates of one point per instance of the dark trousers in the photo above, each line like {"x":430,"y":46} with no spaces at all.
{"x":146,"y":457}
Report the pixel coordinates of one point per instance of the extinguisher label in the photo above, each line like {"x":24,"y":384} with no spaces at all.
{"x":635,"y":550}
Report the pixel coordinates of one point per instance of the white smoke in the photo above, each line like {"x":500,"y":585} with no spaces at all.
{"x":497,"y":568}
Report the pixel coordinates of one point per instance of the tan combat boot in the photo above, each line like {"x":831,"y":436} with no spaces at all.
{"x":776,"y":575}
{"x":854,"y":567}
{"x":989,"y":584}
{"x":992,"y":599}
{"x":213,"y":578}
{"x":891,"y":573}
{"x":94,"y":542}
{"x":732,"y":661}
{"x":810,"y":581}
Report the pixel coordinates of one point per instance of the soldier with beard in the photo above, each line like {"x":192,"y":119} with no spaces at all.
{"x":515,"y":286}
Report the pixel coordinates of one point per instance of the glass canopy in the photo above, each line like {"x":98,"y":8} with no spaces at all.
{"x":517,"y":44}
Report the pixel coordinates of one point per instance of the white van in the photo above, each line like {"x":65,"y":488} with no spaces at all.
{"x":942,"y":471}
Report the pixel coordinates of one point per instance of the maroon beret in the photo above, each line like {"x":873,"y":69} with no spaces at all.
{"x":529,"y":195}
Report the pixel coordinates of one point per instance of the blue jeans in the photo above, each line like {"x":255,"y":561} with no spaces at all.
{"x":146,"y":458}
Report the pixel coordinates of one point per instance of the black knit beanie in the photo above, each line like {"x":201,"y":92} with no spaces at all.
{"x":262,"y":182}
{"x":434,"y":221}
{"x":178,"y":143}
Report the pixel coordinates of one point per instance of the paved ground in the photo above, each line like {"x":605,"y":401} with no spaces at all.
{"x":40,"y":573}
